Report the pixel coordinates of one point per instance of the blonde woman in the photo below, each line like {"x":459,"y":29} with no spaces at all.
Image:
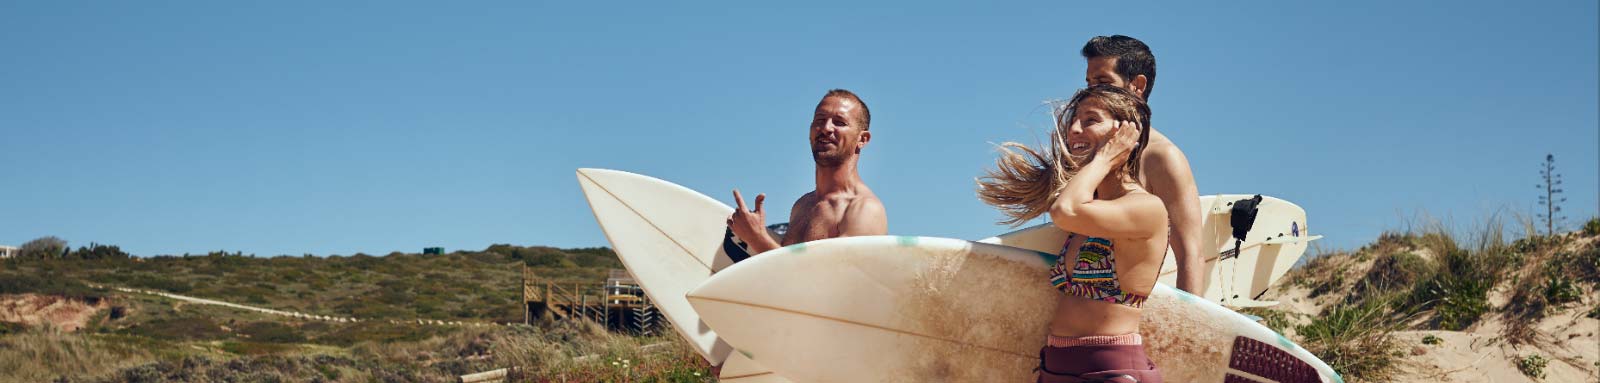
{"x":1117,"y":232}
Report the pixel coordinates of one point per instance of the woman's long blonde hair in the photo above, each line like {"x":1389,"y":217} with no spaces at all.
{"x":1024,"y":182}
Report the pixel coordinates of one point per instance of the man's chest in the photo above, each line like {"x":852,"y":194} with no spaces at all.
{"x":816,"y":221}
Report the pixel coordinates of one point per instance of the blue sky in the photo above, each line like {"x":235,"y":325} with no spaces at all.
{"x":336,"y":128}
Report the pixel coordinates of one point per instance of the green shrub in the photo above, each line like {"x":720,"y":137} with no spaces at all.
{"x":1328,"y":282}
{"x":372,"y":309}
{"x":1584,"y":264}
{"x":271,"y":332}
{"x":255,"y":348}
{"x":1559,"y":290}
{"x":1530,"y":244}
{"x":1592,"y":227}
{"x":1273,"y":319}
{"x":1533,"y":366}
{"x":50,"y":283}
{"x":162,"y":283}
{"x":187,"y":328}
{"x":379,"y":332}
{"x":1460,"y":302}
{"x":1458,"y":292}
{"x":48,"y":247}
{"x":1432,"y":340}
{"x":1556,"y":285}
{"x":1390,"y":273}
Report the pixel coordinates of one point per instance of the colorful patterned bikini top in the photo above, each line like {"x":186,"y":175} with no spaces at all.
{"x":1092,"y":273}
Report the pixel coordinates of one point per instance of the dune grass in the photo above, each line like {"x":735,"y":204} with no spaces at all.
{"x":1355,"y":339}
{"x":1429,"y":276}
{"x":45,"y":354}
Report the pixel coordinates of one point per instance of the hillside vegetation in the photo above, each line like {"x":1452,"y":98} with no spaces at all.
{"x":479,"y":285}
{"x":145,"y":338}
{"x":1414,"y":306}
{"x":1426,"y":306}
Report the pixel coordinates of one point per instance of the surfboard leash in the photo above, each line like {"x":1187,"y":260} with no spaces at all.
{"x":1242,"y":218}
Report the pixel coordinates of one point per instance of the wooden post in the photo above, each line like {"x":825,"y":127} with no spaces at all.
{"x":527,"y":314}
{"x":486,"y":376}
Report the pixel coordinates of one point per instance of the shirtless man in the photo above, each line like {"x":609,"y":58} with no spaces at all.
{"x":841,"y":205}
{"x":1127,"y":63}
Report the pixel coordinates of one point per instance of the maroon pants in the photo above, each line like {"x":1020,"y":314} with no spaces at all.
{"x":1076,"y":364}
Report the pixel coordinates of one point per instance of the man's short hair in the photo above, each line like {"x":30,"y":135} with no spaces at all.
{"x":866,"y":114}
{"x":1133,"y":57}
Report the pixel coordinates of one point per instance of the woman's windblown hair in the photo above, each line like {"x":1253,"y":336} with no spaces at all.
{"x":1025,"y":181}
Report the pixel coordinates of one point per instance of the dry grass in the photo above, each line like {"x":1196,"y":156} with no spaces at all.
{"x":42,"y":354}
{"x":585,"y":352}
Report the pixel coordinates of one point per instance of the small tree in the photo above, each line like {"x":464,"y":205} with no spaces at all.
{"x":98,"y":251}
{"x":47,"y":247}
{"x":1551,"y":199}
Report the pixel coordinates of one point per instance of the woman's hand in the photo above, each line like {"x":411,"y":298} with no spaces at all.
{"x":1124,"y":138}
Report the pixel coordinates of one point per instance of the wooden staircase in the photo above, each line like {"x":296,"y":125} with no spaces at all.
{"x":619,"y":304}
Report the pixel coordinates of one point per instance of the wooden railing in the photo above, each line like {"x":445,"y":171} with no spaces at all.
{"x":627,"y":309}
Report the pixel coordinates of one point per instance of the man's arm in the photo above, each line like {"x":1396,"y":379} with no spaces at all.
{"x":866,"y":218}
{"x":1167,"y":175}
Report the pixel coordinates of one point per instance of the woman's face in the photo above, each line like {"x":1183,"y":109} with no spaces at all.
{"x":1089,"y":129}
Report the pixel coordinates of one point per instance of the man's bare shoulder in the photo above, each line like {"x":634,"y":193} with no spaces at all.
{"x":1161,"y":149}
{"x":866,"y":215}
{"x":1162,"y":159}
{"x":867,"y":203}
{"x":1165,"y":170}
{"x":810,"y":198}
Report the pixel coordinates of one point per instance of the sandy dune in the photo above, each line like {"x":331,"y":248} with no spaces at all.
{"x":33,"y":310}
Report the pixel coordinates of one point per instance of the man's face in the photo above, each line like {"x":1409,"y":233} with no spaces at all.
{"x":1103,"y":70}
{"x":835,"y":133}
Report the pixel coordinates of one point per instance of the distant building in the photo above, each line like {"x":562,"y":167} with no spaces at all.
{"x":433,"y":250}
{"x":9,"y":251}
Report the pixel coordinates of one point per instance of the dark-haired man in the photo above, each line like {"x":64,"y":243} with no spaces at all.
{"x":841,"y":205}
{"x":1127,"y":63}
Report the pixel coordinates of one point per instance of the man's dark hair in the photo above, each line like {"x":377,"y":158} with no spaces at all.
{"x":866,"y":114}
{"x":1133,"y":57}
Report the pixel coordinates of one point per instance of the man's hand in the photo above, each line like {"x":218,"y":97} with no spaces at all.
{"x":1124,"y":138}
{"x":751,"y":225}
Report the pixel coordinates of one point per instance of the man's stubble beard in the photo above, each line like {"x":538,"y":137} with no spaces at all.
{"x":830,"y":160}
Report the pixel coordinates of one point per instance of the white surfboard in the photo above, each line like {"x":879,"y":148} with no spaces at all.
{"x":1275,"y":243}
{"x":670,"y":239}
{"x":920,"y":309}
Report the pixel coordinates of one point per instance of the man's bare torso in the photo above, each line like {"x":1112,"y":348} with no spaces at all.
{"x":815,"y":217}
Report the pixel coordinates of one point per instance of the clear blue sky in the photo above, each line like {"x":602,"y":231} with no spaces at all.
{"x":344,"y":127}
